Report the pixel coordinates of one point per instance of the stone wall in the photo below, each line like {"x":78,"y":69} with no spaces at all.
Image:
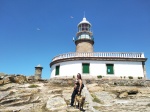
{"x":84,"y":47}
{"x":118,"y":82}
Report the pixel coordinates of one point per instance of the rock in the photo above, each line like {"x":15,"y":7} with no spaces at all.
{"x":4,"y":94}
{"x":35,"y":100}
{"x":123,"y":95}
{"x":92,"y":85}
{"x":6,"y":80}
{"x":4,"y":88}
{"x":132,"y":91}
{"x":24,"y":94}
{"x":73,"y":110}
{"x":1,"y":82}
{"x":55,"y":95}
{"x":95,"y":89}
{"x":20,"y":102}
{"x":129,"y":90}
{"x":20,"y":79}
{"x":55,"y":91}
{"x":30,"y":78}
{"x":105,"y":86}
{"x":56,"y":103}
{"x":70,"y":82}
{"x":9,"y":100}
{"x":2,"y":75}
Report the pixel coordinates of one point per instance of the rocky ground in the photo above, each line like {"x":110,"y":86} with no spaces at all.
{"x":45,"y":96}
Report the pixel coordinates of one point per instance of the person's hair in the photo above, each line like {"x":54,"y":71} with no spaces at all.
{"x":79,"y":76}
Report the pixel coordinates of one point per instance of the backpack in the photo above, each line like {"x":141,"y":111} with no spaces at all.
{"x":82,"y":86}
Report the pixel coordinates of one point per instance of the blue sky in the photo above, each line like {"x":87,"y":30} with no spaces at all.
{"x":32,"y":32}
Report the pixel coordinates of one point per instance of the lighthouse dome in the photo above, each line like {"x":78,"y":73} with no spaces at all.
{"x":84,"y":21}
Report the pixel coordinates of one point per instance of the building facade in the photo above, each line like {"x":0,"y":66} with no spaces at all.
{"x":90,"y":63}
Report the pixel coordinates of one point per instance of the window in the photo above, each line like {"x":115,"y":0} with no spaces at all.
{"x":57,"y":70}
{"x":110,"y":68}
{"x":85,"y":67}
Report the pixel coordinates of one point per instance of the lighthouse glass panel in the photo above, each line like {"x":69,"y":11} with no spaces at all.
{"x":57,"y":70}
{"x":110,"y":68}
{"x":85,"y":68}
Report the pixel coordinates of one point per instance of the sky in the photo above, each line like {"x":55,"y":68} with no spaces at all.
{"x":33,"y":32}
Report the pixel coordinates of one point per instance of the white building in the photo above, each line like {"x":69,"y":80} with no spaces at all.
{"x":90,"y":63}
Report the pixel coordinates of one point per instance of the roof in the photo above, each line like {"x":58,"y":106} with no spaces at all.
{"x":38,"y":66}
{"x":84,"y":21}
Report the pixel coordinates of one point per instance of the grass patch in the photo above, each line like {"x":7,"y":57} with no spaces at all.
{"x":130,"y":77}
{"x":96,"y":107}
{"x":33,"y":86}
{"x":95,"y":99}
{"x":99,"y":76}
{"x":139,"y":77}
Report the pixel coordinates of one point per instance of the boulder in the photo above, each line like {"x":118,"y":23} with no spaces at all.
{"x":20,"y":79}
{"x":56,"y":103}
{"x":129,"y":90}
{"x":123,"y":95}
{"x":6,"y":80}
{"x":92,"y":85}
{"x":96,"y":89}
{"x":30,"y":78}
{"x":132,"y":91}
{"x":2,"y":75}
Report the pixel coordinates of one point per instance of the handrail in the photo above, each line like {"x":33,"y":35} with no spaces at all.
{"x":100,"y":54}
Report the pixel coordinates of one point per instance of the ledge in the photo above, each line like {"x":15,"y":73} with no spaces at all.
{"x":98,"y":59}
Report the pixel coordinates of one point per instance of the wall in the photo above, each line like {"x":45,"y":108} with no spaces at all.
{"x":118,"y":82}
{"x":84,"y":47}
{"x":71,"y":68}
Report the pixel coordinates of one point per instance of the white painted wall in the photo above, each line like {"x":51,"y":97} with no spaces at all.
{"x":123,"y":68}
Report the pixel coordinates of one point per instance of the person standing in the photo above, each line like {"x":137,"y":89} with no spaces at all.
{"x":77,"y":88}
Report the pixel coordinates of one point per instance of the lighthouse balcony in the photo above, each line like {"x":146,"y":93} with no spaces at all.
{"x":101,"y":55}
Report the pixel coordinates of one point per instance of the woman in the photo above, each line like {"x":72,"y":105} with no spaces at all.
{"x":77,"y":88}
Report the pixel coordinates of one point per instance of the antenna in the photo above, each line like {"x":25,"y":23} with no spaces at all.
{"x":84,"y":14}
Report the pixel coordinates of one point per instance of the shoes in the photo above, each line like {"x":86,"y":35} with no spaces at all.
{"x":70,"y":105}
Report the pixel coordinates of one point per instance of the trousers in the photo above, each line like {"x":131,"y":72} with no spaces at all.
{"x":75,"y":92}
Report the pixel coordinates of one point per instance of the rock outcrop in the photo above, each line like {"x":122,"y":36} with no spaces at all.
{"x":38,"y":96}
{"x":56,"y":103}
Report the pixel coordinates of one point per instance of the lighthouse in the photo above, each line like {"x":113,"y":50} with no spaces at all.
{"x":84,"y":40}
{"x":89,"y":63}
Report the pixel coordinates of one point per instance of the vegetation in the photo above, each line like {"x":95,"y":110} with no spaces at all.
{"x":97,"y":107}
{"x":33,"y":86}
{"x":95,"y":99}
{"x":139,"y":77}
{"x":99,"y":76}
{"x":73,"y":76}
{"x":130,"y":77}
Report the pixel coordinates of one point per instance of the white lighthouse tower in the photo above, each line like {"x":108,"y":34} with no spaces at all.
{"x":90,"y":63}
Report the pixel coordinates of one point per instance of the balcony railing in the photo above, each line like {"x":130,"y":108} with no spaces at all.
{"x":100,"y":54}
